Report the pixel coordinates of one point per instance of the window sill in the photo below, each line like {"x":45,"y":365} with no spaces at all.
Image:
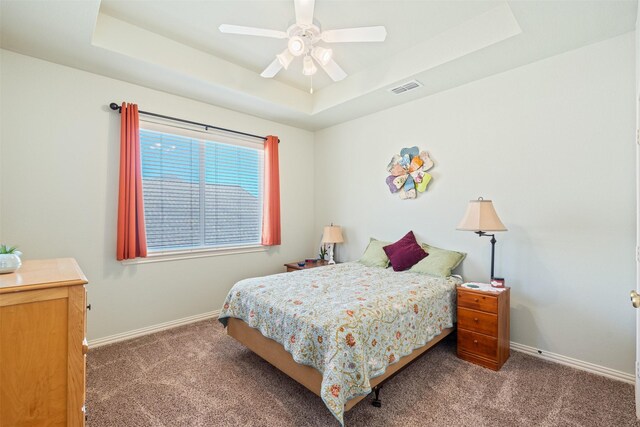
{"x":202,"y":253}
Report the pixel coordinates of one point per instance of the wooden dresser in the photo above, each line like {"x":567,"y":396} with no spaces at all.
{"x":42,"y":344}
{"x":483,"y":327}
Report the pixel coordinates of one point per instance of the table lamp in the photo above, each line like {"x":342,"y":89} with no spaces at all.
{"x":332,"y":235}
{"x":480,"y":218}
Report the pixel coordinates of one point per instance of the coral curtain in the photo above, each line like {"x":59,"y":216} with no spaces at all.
{"x":132,"y":237}
{"x":271,"y":194}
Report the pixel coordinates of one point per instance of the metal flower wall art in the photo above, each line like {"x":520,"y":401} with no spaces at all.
{"x":409,"y":172}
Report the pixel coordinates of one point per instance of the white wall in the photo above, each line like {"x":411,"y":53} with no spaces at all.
{"x":552,"y":143}
{"x":637,"y":188}
{"x":59,"y":169}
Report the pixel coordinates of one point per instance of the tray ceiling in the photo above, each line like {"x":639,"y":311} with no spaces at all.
{"x":175,"y":46}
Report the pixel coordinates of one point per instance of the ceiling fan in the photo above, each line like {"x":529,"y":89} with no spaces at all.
{"x":304,"y":37}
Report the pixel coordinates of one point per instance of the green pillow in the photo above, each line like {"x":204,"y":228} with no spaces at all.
{"x":374,"y":255}
{"x":440,"y":262}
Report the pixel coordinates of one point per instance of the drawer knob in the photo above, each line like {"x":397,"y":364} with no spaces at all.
{"x":475,"y":319}
{"x":477,"y":299}
{"x":475,"y":341}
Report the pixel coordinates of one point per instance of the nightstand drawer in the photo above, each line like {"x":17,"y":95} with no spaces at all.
{"x":477,"y":301}
{"x":479,"y":344}
{"x":478,"y":321}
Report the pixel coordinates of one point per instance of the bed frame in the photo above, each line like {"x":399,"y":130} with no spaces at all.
{"x":274,"y":353}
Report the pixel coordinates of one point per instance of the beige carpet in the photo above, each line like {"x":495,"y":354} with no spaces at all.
{"x":197,"y":376}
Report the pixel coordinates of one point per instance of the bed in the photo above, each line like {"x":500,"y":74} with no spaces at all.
{"x":341,"y":330}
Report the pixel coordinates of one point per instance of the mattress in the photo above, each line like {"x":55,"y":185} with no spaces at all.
{"x":348,"y":321}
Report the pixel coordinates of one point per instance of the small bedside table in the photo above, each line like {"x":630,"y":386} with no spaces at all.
{"x":483,"y":327}
{"x":294,"y":265}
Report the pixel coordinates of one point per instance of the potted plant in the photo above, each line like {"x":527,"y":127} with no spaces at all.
{"x":9,"y":259}
{"x":323,"y":251}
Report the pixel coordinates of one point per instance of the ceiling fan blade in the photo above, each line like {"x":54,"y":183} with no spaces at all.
{"x":333,"y":70}
{"x":272,"y":69}
{"x":252,"y":31}
{"x":362,"y":34}
{"x":304,"y":11}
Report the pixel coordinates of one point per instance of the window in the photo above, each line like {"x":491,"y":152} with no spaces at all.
{"x":201,"y":190}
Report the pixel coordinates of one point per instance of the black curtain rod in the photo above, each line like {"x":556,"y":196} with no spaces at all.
{"x":115,"y":106}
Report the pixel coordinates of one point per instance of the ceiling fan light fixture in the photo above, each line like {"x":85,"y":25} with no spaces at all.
{"x":296,"y":45}
{"x":323,"y":55}
{"x":308,"y":67}
{"x":303,"y":35}
{"x":285,"y":58}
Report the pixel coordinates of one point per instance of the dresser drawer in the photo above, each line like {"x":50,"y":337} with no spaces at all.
{"x":479,"y":344}
{"x":488,"y":303}
{"x":478,"y":321}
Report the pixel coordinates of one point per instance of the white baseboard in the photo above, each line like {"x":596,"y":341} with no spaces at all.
{"x":546,"y":355}
{"x":151,"y":329}
{"x":574,"y":363}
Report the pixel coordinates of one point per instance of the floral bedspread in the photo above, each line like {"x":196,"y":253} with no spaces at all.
{"x":347,"y":320}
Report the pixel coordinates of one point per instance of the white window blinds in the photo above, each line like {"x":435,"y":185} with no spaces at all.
{"x":200,"y":192}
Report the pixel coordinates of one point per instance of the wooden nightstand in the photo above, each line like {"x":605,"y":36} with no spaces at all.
{"x":483,"y":327}
{"x":294,"y":265}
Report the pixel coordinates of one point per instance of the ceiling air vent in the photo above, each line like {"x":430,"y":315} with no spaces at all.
{"x":406,"y":87}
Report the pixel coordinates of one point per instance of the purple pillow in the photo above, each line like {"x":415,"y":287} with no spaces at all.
{"x":405,"y":253}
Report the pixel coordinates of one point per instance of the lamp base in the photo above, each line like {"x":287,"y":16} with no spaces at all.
{"x":331,"y":260}
{"x":493,"y":250}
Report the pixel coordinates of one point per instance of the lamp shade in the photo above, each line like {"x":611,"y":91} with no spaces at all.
{"x":308,"y":67}
{"x":481,"y":216}
{"x":296,"y":45}
{"x":332,"y":234}
{"x":285,"y":58}
{"x":322,"y":54}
